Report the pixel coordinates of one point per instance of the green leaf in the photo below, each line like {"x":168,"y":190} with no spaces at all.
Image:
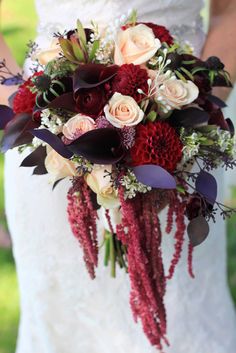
{"x":187,"y":73}
{"x":133,"y":17}
{"x":152,"y":116}
{"x":94,"y":49}
{"x":67,"y":49}
{"x":81,"y":34}
{"x":180,"y":189}
{"x":78,"y":52}
{"x":188,"y":62}
{"x":198,"y":69}
{"x":211,"y":76}
{"x":180,"y":76}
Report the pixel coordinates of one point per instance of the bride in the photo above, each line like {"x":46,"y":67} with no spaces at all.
{"x":62,"y":310}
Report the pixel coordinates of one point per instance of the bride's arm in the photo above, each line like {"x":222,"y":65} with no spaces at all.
{"x":5,"y":53}
{"x":221,"y":39}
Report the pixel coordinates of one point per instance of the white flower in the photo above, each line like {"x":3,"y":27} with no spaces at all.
{"x":77,"y":125}
{"x":123,"y":111}
{"x":99,"y":180}
{"x":46,"y":55}
{"x":175,"y":93}
{"x":136,"y":44}
{"x":57,"y":166}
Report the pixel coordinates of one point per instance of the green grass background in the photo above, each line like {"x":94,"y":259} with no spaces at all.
{"x":18,"y":23}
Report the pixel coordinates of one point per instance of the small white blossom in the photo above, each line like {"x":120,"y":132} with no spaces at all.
{"x":132,"y":186}
{"x":51,"y":121}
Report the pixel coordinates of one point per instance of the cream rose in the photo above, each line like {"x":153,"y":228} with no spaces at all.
{"x":176,"y":93}
{"x":123,"y":111}
{"x":58,"y":167}
{"x":77,"y":125}
{"x":99,"y":181}
{"x":135,"y":45}
{"x":44,"y":56}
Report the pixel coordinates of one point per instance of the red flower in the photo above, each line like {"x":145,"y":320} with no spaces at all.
{"x":157,"y":143}
{"x":128,"y":79}
{"x":24,"y":101}
{"x":160,"y":32}
{"x":91,"y":101}
{"x":91,"y":84}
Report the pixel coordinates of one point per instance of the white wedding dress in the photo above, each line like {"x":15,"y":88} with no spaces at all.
{"x":62,"y":310}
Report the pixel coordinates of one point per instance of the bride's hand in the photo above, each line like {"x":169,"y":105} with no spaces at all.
{"x":5,"y":53}
{"x":5,"y":93}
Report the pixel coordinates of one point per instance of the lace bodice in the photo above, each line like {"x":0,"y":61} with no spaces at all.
{"x":64,"y":13}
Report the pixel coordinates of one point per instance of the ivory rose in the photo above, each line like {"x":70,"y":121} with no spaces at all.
{"x":135,"y":45}
{"x":175,"y":93}
{"x":44,"y":56}
{"x":99,"y":181}
{"x":123,"y":111}
{"x":58,"y":166}
{"x":77,"y":125}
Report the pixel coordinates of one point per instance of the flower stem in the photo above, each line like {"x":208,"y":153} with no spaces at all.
{"x":112,"y":256}
{"x":107,"y":248}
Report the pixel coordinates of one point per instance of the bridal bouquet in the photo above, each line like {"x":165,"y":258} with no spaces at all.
{"x":127,"y":112}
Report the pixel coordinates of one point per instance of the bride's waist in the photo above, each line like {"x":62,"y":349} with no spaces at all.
{"x":191,"y":30}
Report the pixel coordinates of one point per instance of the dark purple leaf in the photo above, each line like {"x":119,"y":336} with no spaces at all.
{"x":101,"y":146}
{"x":217,"y":118}
{"x":231,"y":126}
{"x":206,"y":186}
{"x":198,"y":230}
{"x":17,"y":132}
{"x":6,"y":115}
{"x":53,"y":140}
{"x":65,"y":101}
{"x":56,"y":183}
{"x":36,"y":158}
{"x":93,"y":75}
{"x":12,"y":81}
{"x":221,"y":81}
{"x":40,"y":170}
{"x":154,"y":176}
{"x":217,"y":101}
{"x":189,"y":117}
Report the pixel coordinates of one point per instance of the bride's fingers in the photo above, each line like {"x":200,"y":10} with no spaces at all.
{"x":5,"y":92}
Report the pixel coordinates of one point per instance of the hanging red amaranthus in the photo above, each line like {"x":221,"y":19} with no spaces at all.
{"x":141,"y":226}
{"x":140,"y":233}
{"x":83,"y":222}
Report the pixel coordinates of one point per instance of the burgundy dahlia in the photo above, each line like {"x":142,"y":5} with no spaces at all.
{"x":160,"y":32}
{"x":157,"y":143}
{"x":129,"y":79}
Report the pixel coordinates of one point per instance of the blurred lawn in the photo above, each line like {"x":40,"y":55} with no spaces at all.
{"x":18,"y":21}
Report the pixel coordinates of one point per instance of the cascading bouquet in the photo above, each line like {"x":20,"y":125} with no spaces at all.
{"x":126,"y":112}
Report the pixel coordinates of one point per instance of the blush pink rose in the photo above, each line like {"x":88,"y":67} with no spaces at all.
{"x":77,"y":126}
{"x":135,"y":45}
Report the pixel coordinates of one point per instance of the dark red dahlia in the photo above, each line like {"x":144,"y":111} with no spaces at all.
{"x":160,"y":32}
{"x":129,"y":79}
{"x":157,"y":143}
{"x":24,"y":101}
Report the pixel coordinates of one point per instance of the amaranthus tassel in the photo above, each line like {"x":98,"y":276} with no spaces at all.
{"x":82,"y":218}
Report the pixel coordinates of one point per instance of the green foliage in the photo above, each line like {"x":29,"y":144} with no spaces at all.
{"x":9,"y":303}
